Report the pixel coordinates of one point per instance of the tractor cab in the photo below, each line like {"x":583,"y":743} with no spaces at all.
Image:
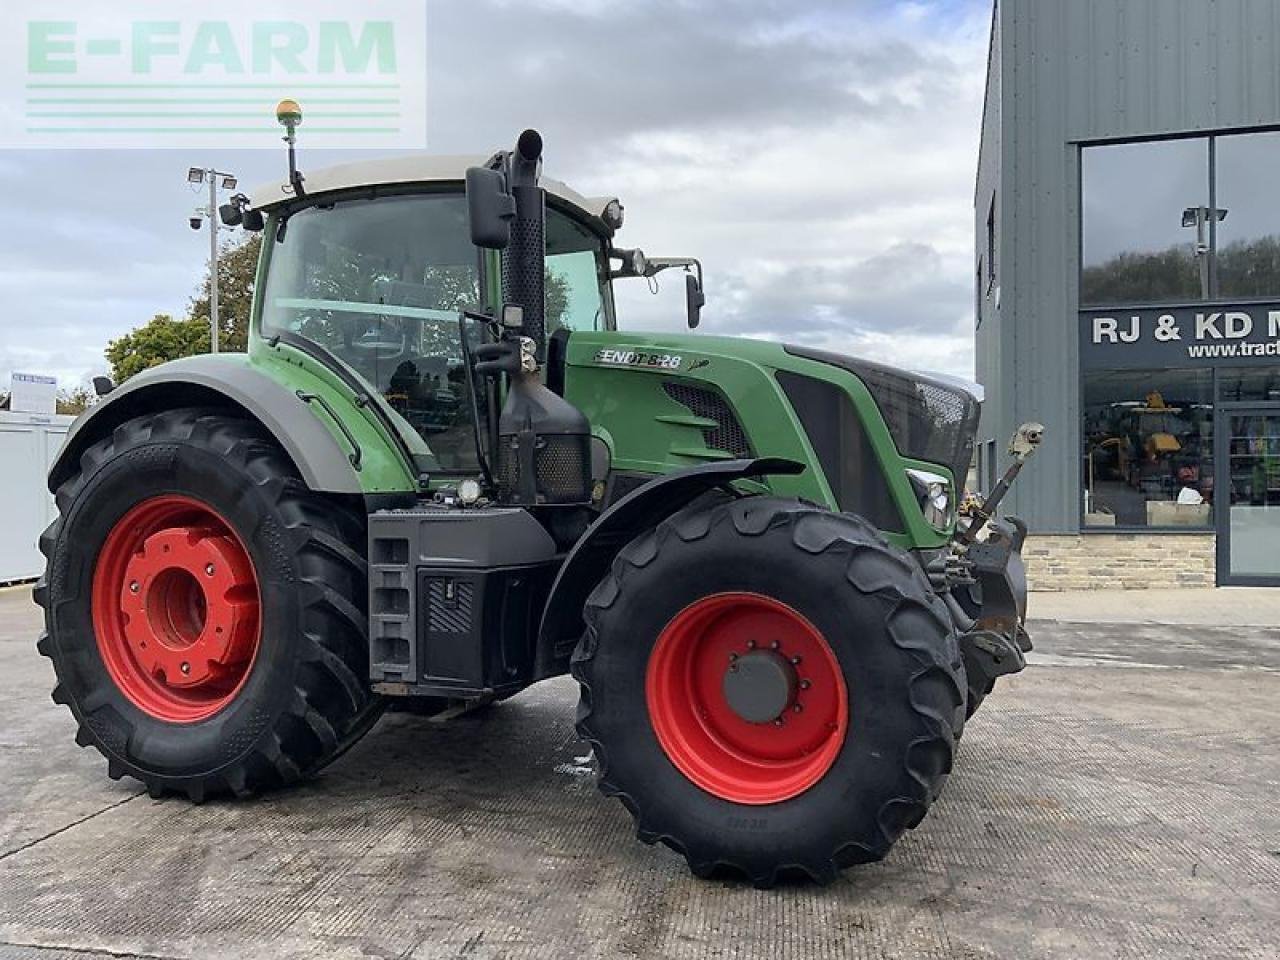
{"x":374,"y":267}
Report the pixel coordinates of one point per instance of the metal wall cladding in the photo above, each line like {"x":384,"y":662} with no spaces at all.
{"x":1068,"y":72}
{"x":29,"y":443}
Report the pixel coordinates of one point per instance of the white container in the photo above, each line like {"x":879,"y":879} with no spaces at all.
{"x":29,"y":442}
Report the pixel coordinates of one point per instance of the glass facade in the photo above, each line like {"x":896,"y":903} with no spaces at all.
{"x":1180,"y":252}
{"x":1247,"y":261}
{"x":1135,"y":249}
{"x":1181,"y":221}
{"x":1148,"y":448}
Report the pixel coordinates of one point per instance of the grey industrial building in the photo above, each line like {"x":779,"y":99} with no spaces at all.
{"x":1127,"y":281}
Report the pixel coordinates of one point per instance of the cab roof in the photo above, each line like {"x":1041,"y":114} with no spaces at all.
{"x":416,"y":168}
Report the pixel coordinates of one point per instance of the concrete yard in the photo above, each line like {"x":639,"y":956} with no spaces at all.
{"x":1118,"y":799}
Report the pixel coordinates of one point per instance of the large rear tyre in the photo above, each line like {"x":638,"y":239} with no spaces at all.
{"x":204,"y":610}
{"x":769,"y":687}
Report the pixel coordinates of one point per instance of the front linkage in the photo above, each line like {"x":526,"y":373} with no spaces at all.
{"x":985,"y":581}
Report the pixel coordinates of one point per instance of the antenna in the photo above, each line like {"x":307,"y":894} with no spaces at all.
{"x":289,"y":116}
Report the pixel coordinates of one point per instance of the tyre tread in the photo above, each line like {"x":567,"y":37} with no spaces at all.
{"x":936,"y":688}
{"x":331,"y":662}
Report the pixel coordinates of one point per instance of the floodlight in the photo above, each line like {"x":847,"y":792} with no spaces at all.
{"x":229,"y":183}
{"x":195,"y":175}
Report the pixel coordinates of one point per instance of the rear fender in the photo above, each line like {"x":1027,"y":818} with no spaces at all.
{"x":638,"y":511}
{"x":217,"y":381}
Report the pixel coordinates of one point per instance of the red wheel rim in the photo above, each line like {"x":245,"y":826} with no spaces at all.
{"x":176,"y":609}
{"x":690,"y":683}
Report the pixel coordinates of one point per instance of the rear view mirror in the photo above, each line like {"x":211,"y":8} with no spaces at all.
{"x":694,"y":299}
{"x":490,"y":208}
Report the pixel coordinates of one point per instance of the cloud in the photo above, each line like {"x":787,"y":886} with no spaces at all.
{"x":817,"y":156}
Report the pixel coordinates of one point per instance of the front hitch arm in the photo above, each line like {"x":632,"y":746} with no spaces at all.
{"x":1022,"y":447}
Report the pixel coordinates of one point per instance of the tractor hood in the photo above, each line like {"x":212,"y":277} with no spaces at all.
{"x":931,"y":418}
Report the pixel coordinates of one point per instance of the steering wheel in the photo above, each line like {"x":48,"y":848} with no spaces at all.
{"x":384,"y":338}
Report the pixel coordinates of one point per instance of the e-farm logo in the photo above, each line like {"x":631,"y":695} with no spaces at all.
{"x":150,"y":74}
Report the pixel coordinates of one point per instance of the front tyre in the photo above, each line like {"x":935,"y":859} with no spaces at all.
{"x":204,"y":609}
{"x":769,"y":687}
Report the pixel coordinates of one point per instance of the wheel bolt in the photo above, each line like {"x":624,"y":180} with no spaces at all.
{"x":798,"y":708}
{"x":751,"y":644}
{"x":805,"y":684}
{"x":774,"y":645}
{"x":778,"y":722}
{"x":208,"y":569}
{"x":732,"y":657}
{"x":795,"y":661}
{"x":134,"y":587}
{"x":185,"y":668}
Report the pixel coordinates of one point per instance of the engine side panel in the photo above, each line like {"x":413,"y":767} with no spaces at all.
{"x":624,"y":383}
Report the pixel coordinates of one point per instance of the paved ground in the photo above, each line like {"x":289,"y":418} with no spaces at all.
{"x":1117,"y":800}
{"x":1226,"y":606}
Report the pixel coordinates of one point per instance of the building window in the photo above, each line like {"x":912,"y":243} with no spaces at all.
{"x":1148,"y":448}
{"x":977,"y":297}
{"x":1253,"y":383}
{"x":1158,"y":227}
{"x":1134,"y":197}
{"x":1247,"y":259}
{"x":991,"y":246}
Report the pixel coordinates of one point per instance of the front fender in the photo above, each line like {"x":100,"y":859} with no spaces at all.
{"x":223,"y":380}
{"x":640,"y":510}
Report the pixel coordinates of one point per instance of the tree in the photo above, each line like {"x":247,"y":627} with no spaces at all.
{"x":237,"y":270}
{"x":74,"y":401}
{"x":163,"y":339}
{"x":1246,"y":268}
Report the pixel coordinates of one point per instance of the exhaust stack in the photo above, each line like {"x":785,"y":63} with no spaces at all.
{"x":524,"y":266}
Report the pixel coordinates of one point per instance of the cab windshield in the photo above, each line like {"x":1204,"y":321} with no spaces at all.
{"x":379,"y":284}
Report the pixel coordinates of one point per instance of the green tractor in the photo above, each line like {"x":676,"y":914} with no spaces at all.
{"x":442,"y":472}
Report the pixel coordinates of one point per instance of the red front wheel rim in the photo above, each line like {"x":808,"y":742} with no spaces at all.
{"x":746,"y":698}
{"x":176,"y":609}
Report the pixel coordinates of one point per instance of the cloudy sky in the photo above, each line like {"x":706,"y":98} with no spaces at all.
{"x":818,"y":157}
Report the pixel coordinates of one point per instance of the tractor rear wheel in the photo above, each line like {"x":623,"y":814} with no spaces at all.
{"x":769,"y":687}
{"x":204,"y":609}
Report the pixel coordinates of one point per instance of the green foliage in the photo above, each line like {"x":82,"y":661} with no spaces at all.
{"x":1143,"y":277}
{"x":75,"y":401}
{"x":1250,"y":269}
{"x":556,"y":299}
{"x":159,"y":341}
{"x":1246,"y":268}
{"x":237,"y":270}
{"x":163,"y":338}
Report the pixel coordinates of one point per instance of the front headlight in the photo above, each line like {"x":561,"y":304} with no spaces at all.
{"x":936,"y":499}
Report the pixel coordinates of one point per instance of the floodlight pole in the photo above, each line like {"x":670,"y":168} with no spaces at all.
{"x":213,"y":260}
{"x":199,"y":175}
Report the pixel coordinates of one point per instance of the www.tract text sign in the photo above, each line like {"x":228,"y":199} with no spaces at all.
{"x":148,"y":74}
{"x":1208,"y":334}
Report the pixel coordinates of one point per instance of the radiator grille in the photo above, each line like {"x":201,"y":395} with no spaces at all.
{"x":702,"y":402}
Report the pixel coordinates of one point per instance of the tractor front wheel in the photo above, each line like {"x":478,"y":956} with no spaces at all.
{"x":204,"y":609}
{"x":769,"y":687}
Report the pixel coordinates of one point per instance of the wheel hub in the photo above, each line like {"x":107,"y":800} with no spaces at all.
{"x":189,"y":603}
{"x":176,"y":608}
{"x":760,"y":686}
{"x":746,"y":698}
